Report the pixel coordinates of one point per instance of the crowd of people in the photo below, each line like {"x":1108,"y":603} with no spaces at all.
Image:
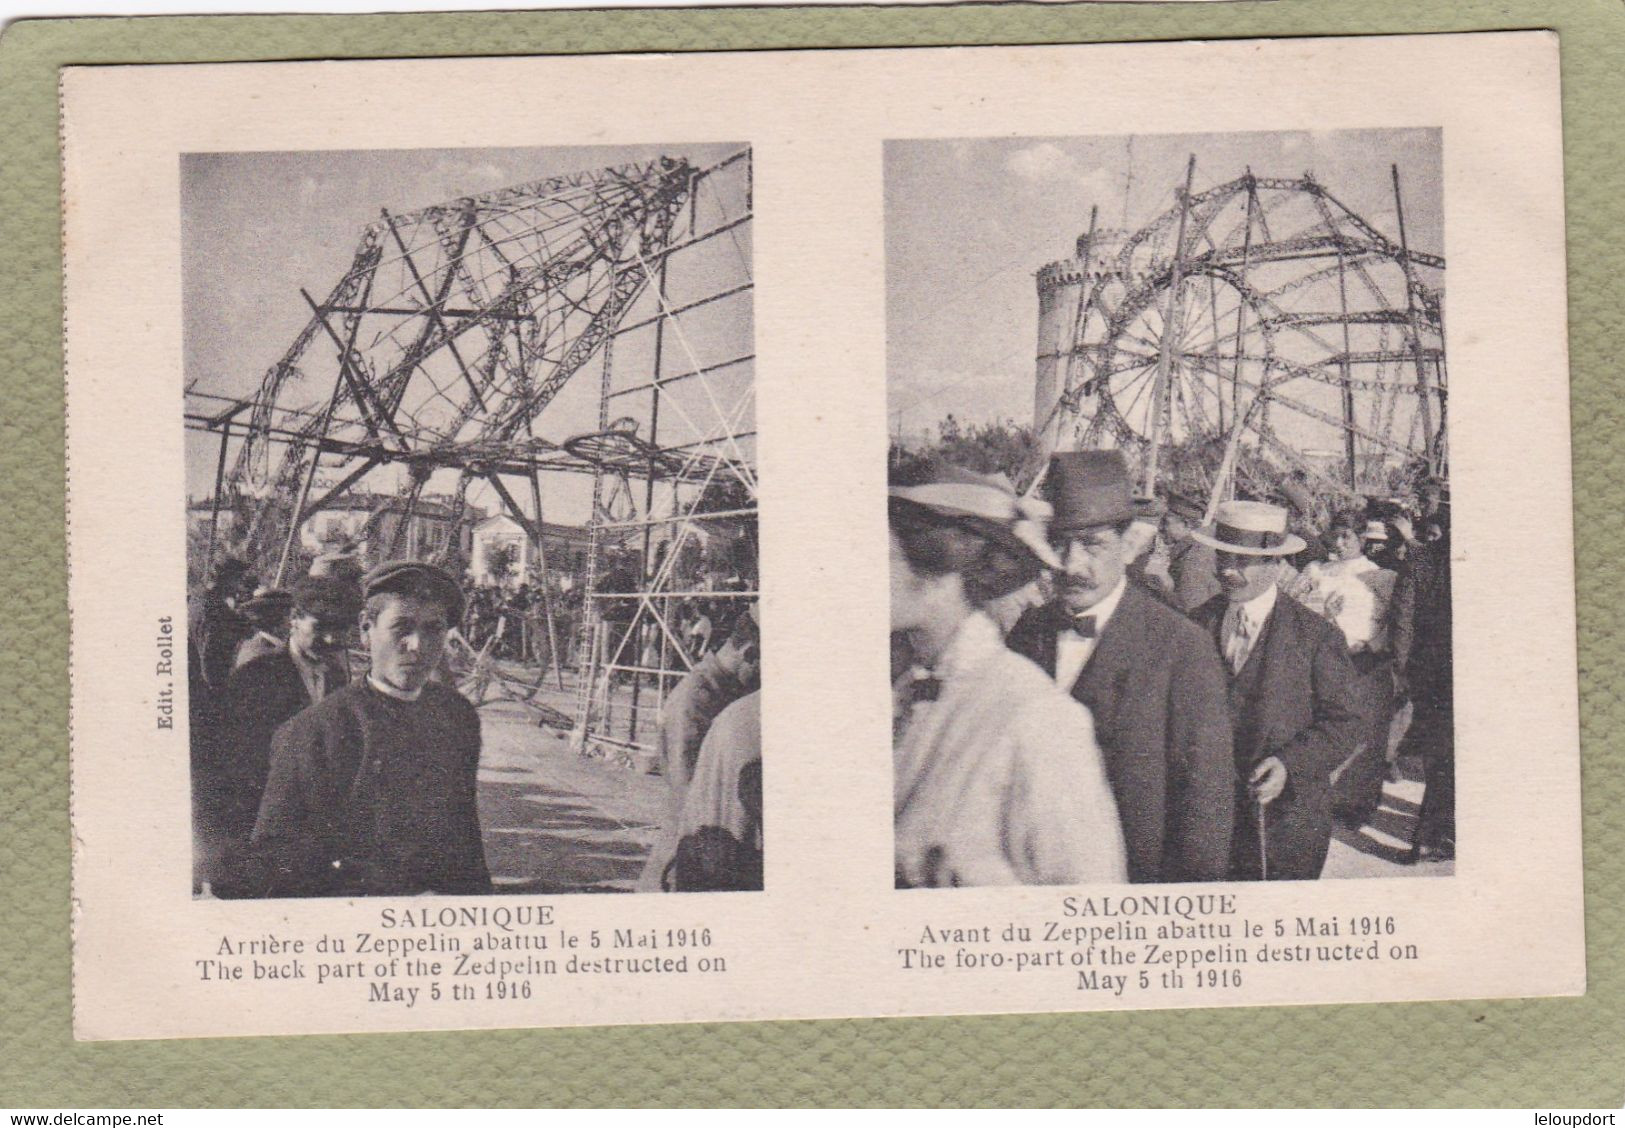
{"x":638,"y":647}
{"x":1094,"y":686}
{"x":512,"y":623}
{"x":311,"y":781}
{"x":1089,"y":687}
{"x":710,"y":756}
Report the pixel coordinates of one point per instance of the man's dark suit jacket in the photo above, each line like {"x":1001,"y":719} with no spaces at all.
{"x":1156,"y":688}
{"x":1296,"y":698}
{"x":260,"y":697}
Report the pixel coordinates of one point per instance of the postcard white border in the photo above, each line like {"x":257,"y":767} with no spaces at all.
{"x":822,"y":940}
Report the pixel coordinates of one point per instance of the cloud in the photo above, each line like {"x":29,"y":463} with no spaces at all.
{"x":1047,"y":165}
{"x":1043,"y":162}
{"x":471,"y":175}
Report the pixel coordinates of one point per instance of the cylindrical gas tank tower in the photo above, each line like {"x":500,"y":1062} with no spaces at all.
{"x":1089,"y":278}
{"x":1060,"y":288}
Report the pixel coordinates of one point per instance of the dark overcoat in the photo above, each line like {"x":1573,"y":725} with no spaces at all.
{"x":372,"y":796}
{"x":261,"y":696}
{"x":214,"y":629}
{"x":1297,"y":698}
{"x":1155,"y":686}
{"x":1195,"y":573}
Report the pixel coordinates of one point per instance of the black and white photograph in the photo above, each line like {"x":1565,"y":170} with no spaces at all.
{"x":1169,"y":502}
{"x":471,"y":541}
{"x":419,"y":567}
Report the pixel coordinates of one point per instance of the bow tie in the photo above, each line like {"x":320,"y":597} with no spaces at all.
{"x":1082,"y":624}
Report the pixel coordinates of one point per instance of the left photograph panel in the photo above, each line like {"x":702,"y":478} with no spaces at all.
{"x":471,"y":532}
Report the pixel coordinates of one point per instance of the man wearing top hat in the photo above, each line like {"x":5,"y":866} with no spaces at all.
{"x":372,"y":789}
{"x":1294,"y":698}
{"x":215,"y":625}
{"x":1424,"y":669}
{"x":214,"y":628}
{"x":1148,"y":675}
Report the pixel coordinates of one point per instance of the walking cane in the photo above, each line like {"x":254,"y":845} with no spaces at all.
{"x":1263,"y":841}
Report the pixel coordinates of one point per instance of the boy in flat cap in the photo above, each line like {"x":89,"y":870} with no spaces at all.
{"x":372,"y":790}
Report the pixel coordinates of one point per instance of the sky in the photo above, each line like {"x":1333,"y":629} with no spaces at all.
{"x":970,"y":222}
{"x":258,"y":227}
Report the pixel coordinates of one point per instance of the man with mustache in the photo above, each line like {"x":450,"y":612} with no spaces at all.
{"x":372,"y":790}
{"x":1149,"y":677}
{"x":1294,"y":697}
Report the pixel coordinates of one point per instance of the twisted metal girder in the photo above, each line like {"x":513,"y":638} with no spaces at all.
{"x":1275,"y":281}
{"x":456,"y":325}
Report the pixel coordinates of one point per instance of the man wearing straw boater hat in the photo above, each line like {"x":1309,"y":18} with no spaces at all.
{"x":1294,"y":699}
{"x":1147,"y":674}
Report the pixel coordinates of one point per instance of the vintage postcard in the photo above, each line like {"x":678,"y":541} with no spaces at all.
{"x":918,"y":531}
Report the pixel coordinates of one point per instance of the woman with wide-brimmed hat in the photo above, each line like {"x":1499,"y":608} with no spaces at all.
{"x":998,"y":777}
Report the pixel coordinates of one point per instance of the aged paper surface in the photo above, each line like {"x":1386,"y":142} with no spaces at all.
{"x":828,"y":935}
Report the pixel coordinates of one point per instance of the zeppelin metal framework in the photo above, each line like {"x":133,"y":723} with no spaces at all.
{"x":440,"y":351}
{"x":1261,"y":314}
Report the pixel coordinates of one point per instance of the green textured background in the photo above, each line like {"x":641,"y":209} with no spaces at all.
{"x":1554,"y":1052}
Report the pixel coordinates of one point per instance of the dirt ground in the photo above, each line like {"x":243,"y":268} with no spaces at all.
{"x":1379,"y":848}
{"x":558,"y":822}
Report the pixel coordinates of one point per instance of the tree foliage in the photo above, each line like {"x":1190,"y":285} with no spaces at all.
{"x":1189,"y":467}
{"x":1000,"y":447}
{"x":500,"y":559}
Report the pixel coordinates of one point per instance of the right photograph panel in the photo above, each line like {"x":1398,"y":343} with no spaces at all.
{"x":1169,"y":503}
